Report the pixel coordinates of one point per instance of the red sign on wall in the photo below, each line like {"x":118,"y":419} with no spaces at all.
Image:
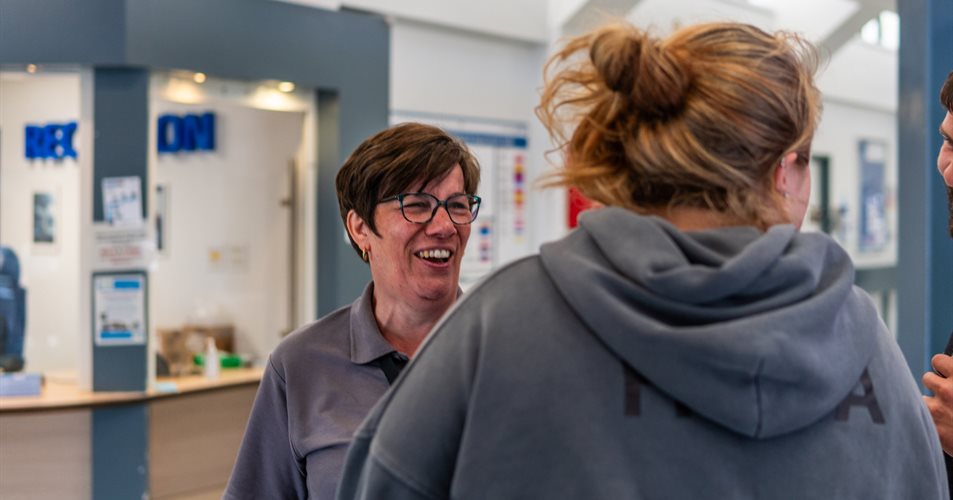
{"x":577,"y":204}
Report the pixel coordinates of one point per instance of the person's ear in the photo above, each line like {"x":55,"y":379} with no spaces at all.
{"x":359,"y":230}
{"x":786,"y":174}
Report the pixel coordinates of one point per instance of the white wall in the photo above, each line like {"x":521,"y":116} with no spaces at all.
{"x":862,"y":74}
{"x":227,"y":233}
{"x":842,"y":126}
{"x":515,"y":19}
{"x":439,"y":70}
{"x":815,"y":19}
{"x":452,"y":73}
{"x":49,"y":272}
{"x":662,"y":15}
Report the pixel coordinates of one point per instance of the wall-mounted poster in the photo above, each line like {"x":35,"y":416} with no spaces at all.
{"x":119,"y":305}
{"x":44,"y":218}
{"x":122,"y":201}
{"x":874,"y":230}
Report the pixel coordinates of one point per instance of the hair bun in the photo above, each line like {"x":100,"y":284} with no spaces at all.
{"x":653,"y":77}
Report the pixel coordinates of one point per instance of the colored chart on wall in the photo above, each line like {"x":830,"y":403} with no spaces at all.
{"x":500,"y":232}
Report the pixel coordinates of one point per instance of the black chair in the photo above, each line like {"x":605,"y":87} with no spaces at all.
{"x":12,"y":312}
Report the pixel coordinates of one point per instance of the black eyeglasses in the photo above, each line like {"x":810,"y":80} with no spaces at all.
{"x":420,"y":208}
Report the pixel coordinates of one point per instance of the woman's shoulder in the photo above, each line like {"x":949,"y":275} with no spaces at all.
{"x":326,"y":336}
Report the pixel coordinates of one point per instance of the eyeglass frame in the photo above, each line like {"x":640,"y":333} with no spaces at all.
{"x":440,"y":203}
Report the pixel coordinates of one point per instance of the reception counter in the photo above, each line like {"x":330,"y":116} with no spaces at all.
{"x":49,"y":444}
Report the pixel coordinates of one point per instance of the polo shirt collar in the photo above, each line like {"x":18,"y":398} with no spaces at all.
{"x":367,"y":342}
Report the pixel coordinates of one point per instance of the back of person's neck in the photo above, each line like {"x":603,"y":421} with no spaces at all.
{"x":696,"y":218}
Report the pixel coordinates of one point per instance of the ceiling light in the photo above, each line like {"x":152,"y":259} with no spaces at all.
{"x":31,"y":68}
{"x":199,"y":77}
{"x":286,"y":87}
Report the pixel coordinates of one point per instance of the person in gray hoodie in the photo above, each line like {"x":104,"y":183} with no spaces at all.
{"x":686,"y":341}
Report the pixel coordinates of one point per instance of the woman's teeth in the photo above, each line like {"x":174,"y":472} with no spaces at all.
{"x":434,"y":254}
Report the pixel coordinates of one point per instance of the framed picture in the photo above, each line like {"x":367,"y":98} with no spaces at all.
{"x":874,"y":228}
{"x":45,"y":223}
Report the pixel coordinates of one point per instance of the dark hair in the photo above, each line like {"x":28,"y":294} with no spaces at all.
{"x":946,"y":98}
{"x":946,"y":93}
{"x":949,"y":206}
{"x":391,"y":161}
{"x":699,"y":118}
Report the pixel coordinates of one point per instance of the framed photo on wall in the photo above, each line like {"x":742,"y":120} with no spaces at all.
{"x":874,"y":228}
{"x":45,"y":221}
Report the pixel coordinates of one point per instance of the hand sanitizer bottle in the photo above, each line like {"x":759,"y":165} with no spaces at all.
{"x":211,"y":364}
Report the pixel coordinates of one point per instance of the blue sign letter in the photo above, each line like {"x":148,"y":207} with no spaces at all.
{"x":170,"y":134}
{"x":50,"y":141}
{"x":66,"y":140}
{"x":186,"y":133}
{"x":34,"y":141}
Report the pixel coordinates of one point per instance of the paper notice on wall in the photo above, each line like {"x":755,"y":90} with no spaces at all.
{"x":122,"y":201}
{"x":121,"y":247}
{"x":119,"y":305}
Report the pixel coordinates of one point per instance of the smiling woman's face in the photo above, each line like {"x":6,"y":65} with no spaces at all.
{"x":417,"y":263}
{"x":944,"y":160}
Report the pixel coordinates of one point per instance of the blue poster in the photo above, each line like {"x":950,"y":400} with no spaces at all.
{"x":119,"y":305}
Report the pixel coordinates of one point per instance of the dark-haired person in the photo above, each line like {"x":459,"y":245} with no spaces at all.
{"x":941,"y":403}
{"x":686,"y":341}
{"x":407,"y":200}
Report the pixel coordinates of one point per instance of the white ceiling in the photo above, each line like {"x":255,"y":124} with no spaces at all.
{"x":830,"y":23}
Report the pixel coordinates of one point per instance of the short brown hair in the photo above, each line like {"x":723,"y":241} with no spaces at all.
{"x":392,"y":160}
{"x":946,"y":93}
{"x":699,"y":118}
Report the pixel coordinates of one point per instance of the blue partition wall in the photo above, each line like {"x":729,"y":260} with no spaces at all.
{"x":925,"y":263}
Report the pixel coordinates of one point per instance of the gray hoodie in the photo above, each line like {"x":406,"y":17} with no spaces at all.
{"x":634,"y":360}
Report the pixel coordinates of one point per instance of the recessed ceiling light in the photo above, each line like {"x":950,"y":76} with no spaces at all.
{"x":199,"y":77}
{"x":31,"y":68}
{"x":286,"y":87}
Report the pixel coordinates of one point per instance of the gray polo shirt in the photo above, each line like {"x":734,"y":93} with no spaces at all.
{"x":320,"y":383}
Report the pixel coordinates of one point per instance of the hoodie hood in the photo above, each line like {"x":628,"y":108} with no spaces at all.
{"x":759,"y":332}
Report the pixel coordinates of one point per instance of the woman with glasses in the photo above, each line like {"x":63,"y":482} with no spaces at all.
{"x":686,"y":341}
{"x":407,"y":200}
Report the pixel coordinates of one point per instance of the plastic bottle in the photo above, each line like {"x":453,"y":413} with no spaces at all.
{"x":211,"y":363}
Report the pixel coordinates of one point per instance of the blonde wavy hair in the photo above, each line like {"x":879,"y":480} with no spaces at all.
{"x":699,"y":118}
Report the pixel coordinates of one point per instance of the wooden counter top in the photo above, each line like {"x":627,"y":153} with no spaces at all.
{"x":62,"y":392}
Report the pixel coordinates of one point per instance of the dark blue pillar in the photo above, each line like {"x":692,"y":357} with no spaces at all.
{"x":925,"y":262}
{"x":120,"y":451}
{"x":120,"y":149}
